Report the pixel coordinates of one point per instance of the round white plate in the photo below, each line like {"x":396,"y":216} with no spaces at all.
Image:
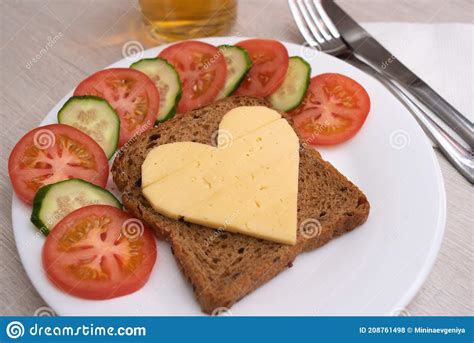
{"x":373,"y":270}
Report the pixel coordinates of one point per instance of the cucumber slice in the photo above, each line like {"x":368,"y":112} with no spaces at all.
{"x":95,"y":117}
{"x":238,"y":64}
{"x":293,"y":89}
{"x":167,"y":82}
{"x":55,"y":201}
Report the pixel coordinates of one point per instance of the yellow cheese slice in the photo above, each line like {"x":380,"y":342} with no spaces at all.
{"x":170,"y":158}
{"x":242,"y":120}
{"x":249,"y":185}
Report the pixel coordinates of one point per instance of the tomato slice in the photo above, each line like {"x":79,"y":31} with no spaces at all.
{"x":202,"y":70}
{"x":269,"y":66}
{"x":334,"y":109}
{"x":132,"y":95}
{"x":52,"y":153}
{"x":99,"y":252}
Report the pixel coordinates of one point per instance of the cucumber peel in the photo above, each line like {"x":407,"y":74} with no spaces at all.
{"x":55,"y":201}
{"x":293,"y":89}
{"x":238,"y":64}
{"x":95,"y":117}
{"x":167,"y":82}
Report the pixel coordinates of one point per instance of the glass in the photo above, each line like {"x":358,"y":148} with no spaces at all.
{"x":171,"y":20}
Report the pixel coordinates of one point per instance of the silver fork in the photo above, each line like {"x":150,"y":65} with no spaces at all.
{"x":320,"y":33}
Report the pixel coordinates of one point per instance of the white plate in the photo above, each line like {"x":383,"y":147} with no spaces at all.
{"x":374,"y":270}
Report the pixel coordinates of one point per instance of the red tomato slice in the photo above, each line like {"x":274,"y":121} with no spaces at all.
{"x":132,"y":95}
{"x":269,"y":66}
{"x":333,"y":110}
{"x":99,"y":252}
{"x":202,"y":70}
{"x":52,"y":153}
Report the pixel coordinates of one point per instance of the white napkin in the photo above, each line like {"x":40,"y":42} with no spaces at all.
{"x":440,"y":54}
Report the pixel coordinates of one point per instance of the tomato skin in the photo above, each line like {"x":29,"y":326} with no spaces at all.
{"x":202,"y":70}
{"x":269,"y":66}
{"x":334,"y":109}
{"x":46,"y":145}
{"x":126,"y":90}
{"x":61,"y":258}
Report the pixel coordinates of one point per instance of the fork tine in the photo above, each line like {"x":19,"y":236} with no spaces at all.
{"x":317,"y":20}
{"x":312,"y":27}
{"x":326,"y":20}
{"x":301,"y":24}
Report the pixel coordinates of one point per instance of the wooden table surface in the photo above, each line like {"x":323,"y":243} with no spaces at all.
{"x":84,"y":36}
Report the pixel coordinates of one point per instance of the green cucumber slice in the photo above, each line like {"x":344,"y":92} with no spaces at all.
{"x":293,"y":89}
{"x":167,"y":82}
{"x":55,"y":201}
{"x":238,"y":64}
{"x":95,"y":117}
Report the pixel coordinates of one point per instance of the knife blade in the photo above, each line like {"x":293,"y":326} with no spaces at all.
{"x":371,"y":51}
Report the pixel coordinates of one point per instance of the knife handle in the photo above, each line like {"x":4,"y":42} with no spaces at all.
{"x":457,"y":155}
{"x":433,"y":101}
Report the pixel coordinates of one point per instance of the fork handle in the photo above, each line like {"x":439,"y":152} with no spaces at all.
{"x":457,"y":155}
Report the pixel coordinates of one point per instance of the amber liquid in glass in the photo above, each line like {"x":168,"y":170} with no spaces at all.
{"x":171,"y":20}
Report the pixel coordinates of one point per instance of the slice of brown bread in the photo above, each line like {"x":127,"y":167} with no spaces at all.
{"x":223,"y":267}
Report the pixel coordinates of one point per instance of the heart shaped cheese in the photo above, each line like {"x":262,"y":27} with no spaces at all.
{"x":247,"y":184}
